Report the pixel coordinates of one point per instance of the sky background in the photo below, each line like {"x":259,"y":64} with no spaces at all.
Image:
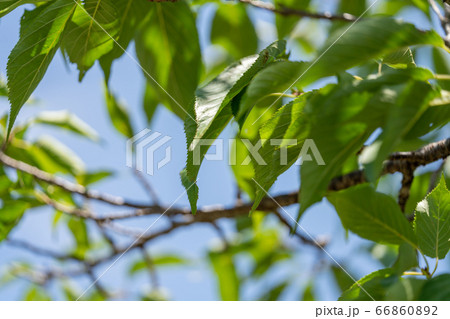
{"x":60,"y":90}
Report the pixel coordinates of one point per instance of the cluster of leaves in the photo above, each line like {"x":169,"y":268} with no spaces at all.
{"x":376,"y":87}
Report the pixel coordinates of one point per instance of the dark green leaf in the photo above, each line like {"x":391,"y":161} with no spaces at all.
{"x":436,"y":289}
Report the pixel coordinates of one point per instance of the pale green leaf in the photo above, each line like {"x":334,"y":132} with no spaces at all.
{"x":227,"y":277}
{"x":67,"y":121}
{"x":432,"y":222}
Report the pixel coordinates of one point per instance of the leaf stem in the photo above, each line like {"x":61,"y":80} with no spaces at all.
{"x":412,"y":273}
{"x":443,"y":77}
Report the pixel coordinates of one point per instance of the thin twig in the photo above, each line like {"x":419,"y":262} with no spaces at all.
{"x":151,"y":268}
{"x":147,"y":186}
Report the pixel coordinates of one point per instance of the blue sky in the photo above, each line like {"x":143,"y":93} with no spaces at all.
{"x":60,"y":90}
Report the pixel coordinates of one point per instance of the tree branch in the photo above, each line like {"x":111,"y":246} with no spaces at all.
{"x":282,"y":10}
{"x":67,"y":185}
{"x":443,"y":18}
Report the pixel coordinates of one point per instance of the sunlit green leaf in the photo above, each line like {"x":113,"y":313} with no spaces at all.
{"x":371,"y":215}
{"x":432,"y":222}
{"x":211,"y":109}
{"x":168,"y":50}
{"x":40,"y":35}
{"x":233,"y":29}
{"x":89,"y":34}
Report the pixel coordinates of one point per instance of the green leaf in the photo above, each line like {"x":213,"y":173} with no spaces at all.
{"x":418,"y":191}
{"x":212,"y":110}
{"x":89,"y":178}
{"x":67,"y":121}
{"x":131,"y":14}
{"x":168,"y":49}
{"x":359,"y":107}
{"x":308,"y":293}
{"x":406,"y":260}
{"x":267,"y":87}
{"x":372,"y":286}
{"x":275,"y":292}
{"x":11,"y":211}
{"x":371,"y":215}
{"x":441,"y":66}
{"x":355,"y":7}
{"x":233,"y":29}
{"x":406,"y":289}
{"x":161,"y":260}
{"x":402,"y":58}
{"x":77,"y":227}
{"x":6,"y":6}
{"x":368,"y":39}
{"x":58,"y":157}
{"x":40,"y":35}
{"x":338,"y":132}
{"x":118,"y":115}
{"x":436,"y":289}
{"x":150,"y":101}
{"x":37,"y":293}
{"x":228,"y":281}
{"x":413,"y":100}
{"x":432,"y":222}
{"x":364,"y":41}
{"x":285,"y":24}
{"x":288,"y":124}
{"x":343,"y":280}
{"x":90,"y":32}
{"x":3,"y":88}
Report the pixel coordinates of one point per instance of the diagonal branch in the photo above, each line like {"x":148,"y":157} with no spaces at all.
{"x":285,"y":11}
